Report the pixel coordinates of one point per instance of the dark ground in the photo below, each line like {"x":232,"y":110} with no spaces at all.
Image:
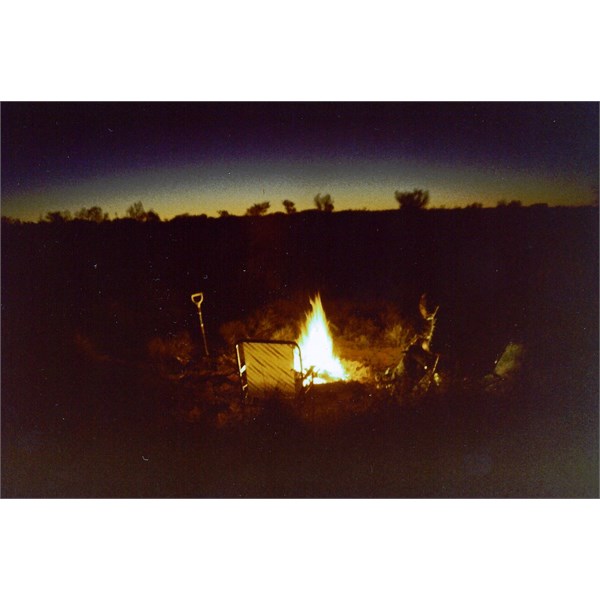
{"x":105,"y":392}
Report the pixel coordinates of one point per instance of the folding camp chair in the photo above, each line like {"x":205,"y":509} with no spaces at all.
{"x":268,"y":368}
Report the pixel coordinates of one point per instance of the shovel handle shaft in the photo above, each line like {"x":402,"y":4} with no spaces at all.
{"x":197,"y":299}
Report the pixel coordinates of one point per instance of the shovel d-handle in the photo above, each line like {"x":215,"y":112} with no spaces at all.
{"x":198,"y":298}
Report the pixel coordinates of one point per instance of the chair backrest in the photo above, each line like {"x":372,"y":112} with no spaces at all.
{"x":269,"y":367}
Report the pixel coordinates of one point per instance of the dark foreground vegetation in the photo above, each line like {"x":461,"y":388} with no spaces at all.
{"x":106,"y":392}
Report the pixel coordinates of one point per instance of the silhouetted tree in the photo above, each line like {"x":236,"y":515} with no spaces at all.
{"x":10,"y":221}
{"x":290,"y":207}
{"x":415,"y":200}
{"x":181,"y":217}
{"x":137,"y":212}
{"x":58,"y":216}
{"x":152,"y":217}
{"x":223,"y":213}
{"x":324,"y":203}
{"x":258,"y":210}
{"x":95,"y":214}
{"x":474,"y":206}
{"x":511,"y":204}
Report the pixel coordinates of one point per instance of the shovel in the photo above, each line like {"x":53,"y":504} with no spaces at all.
{"x":197,"y":300}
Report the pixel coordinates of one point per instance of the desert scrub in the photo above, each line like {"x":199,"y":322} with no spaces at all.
{"x":171,"y":354}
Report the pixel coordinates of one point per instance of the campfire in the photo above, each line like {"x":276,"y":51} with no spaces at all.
{"x":319,"y":361}
{"x":277,"y":356}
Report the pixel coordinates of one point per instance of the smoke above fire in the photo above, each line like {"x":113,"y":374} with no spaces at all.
{"x":316,"y":347}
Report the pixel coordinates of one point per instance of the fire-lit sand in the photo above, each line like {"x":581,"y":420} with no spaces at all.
{"x":316,"y":347}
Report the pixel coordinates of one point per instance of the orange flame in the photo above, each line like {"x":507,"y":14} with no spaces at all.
{"x":316,"y":347}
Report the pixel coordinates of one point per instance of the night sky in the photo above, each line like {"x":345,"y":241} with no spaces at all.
{"x":203,"y":157}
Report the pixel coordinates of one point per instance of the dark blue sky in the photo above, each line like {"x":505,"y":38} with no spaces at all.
{"x":203,"y":157}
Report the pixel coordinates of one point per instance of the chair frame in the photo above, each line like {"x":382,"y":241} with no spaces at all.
{"x":242,"y":367}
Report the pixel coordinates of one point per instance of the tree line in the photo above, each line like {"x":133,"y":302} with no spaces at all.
{"x":95,"y":214}
{"x":408,"y":201}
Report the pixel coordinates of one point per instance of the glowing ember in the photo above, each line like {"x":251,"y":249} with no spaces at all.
{"x":316,"y":346}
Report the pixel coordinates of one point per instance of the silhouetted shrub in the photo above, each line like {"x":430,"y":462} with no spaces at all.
{"x":94,"y":214}
{"x":10,"y":221}
{"x":259,"y":209}
{"x":58,"y":216}
{"x":415,"y":200}
{"x":512,"y":204}
{"x":324,"y":203}
{"x":136,"y":211}
{"x":290,"y":207}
